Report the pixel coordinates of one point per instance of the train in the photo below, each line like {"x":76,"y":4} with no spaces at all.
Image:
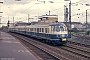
{"x":53,"y":33}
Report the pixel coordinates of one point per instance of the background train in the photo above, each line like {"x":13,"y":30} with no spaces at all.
{"x":55,"y":33}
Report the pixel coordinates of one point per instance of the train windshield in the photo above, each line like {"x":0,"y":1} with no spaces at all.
{"x":59,"y":28}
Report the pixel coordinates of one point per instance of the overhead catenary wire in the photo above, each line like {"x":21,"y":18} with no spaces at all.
{"x":29,"y":8}
{"x":59,"y":9}
{"x":46,"y":12}
{"x":54,"y":10}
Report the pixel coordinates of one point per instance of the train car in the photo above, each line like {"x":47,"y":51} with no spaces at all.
{"x":55,"y":33}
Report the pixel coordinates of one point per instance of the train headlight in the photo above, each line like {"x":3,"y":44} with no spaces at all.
{"x":63,"y":39}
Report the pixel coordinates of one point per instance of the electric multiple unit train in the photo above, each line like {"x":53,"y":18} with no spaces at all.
{"x":55,"y":33}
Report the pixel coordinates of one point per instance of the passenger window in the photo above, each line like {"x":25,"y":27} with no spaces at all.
{"x":37,"y":29}
{"x":58,"y":28}
{"x":48,"y":30}
{"x":29,"y":29}
{"x":52,"y":28}
{"x":61,"y":27}
{"x":42,"y":29}
{"x":45,"y":30}
{"x":34,"y":29}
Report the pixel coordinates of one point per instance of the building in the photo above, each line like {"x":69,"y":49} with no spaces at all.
{"x":47,"y":19}
{"x":77,"y":25}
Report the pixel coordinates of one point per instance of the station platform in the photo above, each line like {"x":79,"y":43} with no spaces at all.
{"x":12,"y":49}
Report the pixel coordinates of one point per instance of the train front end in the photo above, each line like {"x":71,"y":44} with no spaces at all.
{"x":60,"y":34}
{"x":61,"y":38}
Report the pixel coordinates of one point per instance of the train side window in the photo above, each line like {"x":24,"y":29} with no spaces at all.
{"x":52,"y":27}
{"x":37,"y":29}
{"x":32,"y":29}
{"x":46,"y":30}
{"x":61,"y":28}
{"x":25,"y":29}
{"x":42,"y":29}
{"x":29,"y":29}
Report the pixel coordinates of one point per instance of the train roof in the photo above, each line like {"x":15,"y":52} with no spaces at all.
{"x":55,"y":24}
{"x":49,"y":24}
{"x":43,"y":25}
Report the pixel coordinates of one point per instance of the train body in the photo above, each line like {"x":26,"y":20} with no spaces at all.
{"x":55,"y":33}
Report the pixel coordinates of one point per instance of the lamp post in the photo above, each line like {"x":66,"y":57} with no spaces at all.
{"x":14,"y":24}
{"x":0,"y":22}
{"x":69,"y":33}
{"x":86,"y":18}
{"x":0,"y":27}
{"x":70,"y":19}
{"x":28,"y":18}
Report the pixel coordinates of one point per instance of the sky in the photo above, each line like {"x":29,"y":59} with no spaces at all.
{"x":20,"y":9}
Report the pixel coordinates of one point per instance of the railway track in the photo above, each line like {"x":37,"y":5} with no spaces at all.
{"x":66,"y":52}
{"x":78,"y":50}
{"x":79,"y":44}
{"x":82,"y":36}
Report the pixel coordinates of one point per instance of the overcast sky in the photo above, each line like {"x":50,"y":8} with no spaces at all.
{"x":20,"y":9}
